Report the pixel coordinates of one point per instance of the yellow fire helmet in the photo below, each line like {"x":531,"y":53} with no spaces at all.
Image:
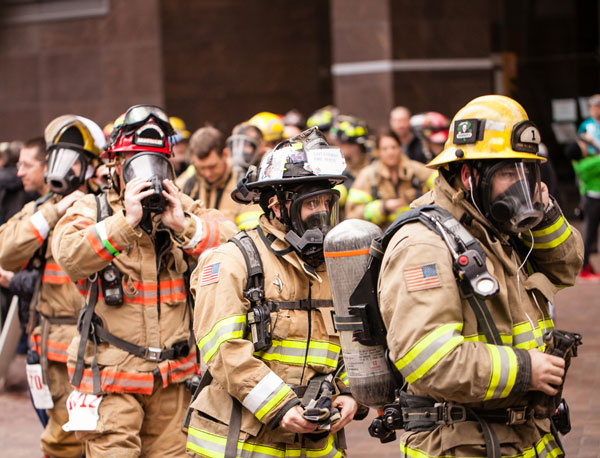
{"x":270,"y":124}
{"x":77,"y":131}
{"x":490,"y":127}
{"x":181,"y":131}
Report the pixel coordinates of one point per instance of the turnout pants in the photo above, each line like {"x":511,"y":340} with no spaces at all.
{"x":55,"y":442}
{"x":133,"y":425}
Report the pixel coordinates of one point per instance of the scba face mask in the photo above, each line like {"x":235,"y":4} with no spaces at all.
{"x":511,"y":195}
{"x":312,"y":215}
{"x":67,"y":170}
{"x":153,"y":167}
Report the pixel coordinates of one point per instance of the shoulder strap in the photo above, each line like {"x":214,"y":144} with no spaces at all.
{"x":255,"y":286}
{"x":85,"y":326}
{"x":475,"y":282}
{"x":103,"y":208}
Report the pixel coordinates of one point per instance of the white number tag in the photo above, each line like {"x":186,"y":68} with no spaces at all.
{"x":40,"y":393}
{"x":83,"y":411}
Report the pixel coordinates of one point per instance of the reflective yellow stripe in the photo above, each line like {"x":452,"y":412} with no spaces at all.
{"x":505,"y":338}
{"x":232,"y":327}
{"x":504,"y":372}
{"x":429,"y":351}
{"x":273,"y":401}
{"x":248,"y":220}
{"x":549,"y":237}
{"x":358,"y":196}
{"x":344,"y":378}
{"x":546,"y":447}
{"x":294,"y":352}
{"x":208,"y":444}
{"x":374,"y":212}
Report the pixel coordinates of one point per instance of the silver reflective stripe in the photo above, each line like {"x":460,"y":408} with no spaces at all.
{"x":197,"y":235}
{"x":213,"y":445}
{"x":264,"y":390}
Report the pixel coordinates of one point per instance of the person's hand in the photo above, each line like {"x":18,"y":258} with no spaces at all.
{"x":5,"y":277}
{"x":347,"y":406}
{"x":547,"y":372}
{"x":173,"y":216}
{"x":67,"y":201}
{"x":294,"y":421}
{"x":132,"y":200}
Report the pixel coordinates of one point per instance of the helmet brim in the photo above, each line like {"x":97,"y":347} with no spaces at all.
{"x":254,"y":189}
{"x":449,"y":155}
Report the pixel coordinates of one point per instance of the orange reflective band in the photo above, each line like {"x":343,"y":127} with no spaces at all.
{"x":343,"y":254}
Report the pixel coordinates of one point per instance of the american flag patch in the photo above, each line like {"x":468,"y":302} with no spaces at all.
{"x":210,"y":274}
{"x":424,"y":277}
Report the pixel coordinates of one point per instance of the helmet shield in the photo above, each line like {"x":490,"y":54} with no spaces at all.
{"x":244,"y":150}
{"x":153,"y":167}
{"x":67,"y":169}
{"x":511,"y":195}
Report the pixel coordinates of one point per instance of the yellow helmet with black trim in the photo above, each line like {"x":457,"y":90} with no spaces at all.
{"x":270,"y":124}
{"x":491,"y":127}
{"x":77,"y":131}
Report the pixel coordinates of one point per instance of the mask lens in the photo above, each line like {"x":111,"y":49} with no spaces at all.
{"x":148,"y":166}
{"x":515,"y":196}
{"x":317,"y":210}
{"x":243,"y":149}
{"x":65,"y":168}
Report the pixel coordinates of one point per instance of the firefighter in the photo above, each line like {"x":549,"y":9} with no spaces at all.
{"x":135,"y":349}
{"x":473,"y":383}
{"x":214,"y":177}
{"x":384,"y":189}
{"x":271,"y":351}
{"x":74,"y":144}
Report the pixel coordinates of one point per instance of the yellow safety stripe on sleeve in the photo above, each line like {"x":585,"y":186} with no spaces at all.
{"x":549,"y":237}
{"x":232,"y":327}
{"x":505,"y":338}
{"x":431,"y":179}
{"x":248,"y":220}
{"x":358,"y":196}
{"x":546,"y":447}
{"x":289,"y":351}
{"x":374,"y":212}
{"x":429,"y":351}
{"x":525,"y":337}
{"x":504,"y":371}
{"x":209,"y":444}
{"x":266,"y":395}
{"x":343,"y":193}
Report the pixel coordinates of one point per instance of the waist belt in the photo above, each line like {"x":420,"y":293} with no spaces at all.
{"x":447,"y":413}
{"x":60,"y":319}
{"x":179,"y":349}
